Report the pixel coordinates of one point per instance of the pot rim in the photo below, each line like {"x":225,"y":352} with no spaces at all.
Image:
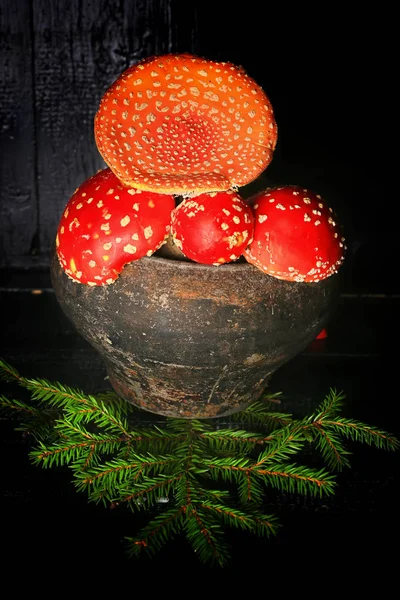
{"x":232,"y":267}
{"x":190,"y":264}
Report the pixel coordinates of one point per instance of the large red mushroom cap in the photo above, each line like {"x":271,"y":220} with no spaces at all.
{"x":181,"y":124}
{"x":295,"y":235}
{"x":106,"y":225}
{"x":212,"y":228}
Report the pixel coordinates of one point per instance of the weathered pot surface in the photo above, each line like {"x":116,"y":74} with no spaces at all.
{"x":187,"y":340}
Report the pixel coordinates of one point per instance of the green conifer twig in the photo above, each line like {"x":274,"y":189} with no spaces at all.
{"x":210,"y":478}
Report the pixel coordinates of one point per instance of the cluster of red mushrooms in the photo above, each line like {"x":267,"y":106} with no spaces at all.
{"x":180,"y":135}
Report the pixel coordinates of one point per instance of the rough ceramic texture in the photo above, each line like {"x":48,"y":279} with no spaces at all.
{"x":188,"y":340}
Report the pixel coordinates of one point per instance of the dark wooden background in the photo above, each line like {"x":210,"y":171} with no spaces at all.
{"x":325,"y":71}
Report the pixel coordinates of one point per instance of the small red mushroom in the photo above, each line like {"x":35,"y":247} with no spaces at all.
{"x":106,"y":225}
{"x":181,"y":124}
{"x":295,"y":235}
{"x":212,"y":228}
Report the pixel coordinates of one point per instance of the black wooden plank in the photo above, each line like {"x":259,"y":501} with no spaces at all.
{"x":80,"y":49}
{"x":18,"y":201}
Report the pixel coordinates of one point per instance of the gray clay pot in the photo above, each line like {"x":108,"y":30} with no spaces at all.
{"x":193,"y":341}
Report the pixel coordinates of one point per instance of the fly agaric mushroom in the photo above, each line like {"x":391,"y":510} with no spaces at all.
{"x":181,"y":124}
{"x":106,"y":225}
{"x":212,"y":228}
{"x":295,"y":235}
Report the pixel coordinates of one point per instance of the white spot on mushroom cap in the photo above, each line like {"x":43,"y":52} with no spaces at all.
{"x":125,"y":221}
{"x":148,"y":232}
{"x":73,"y":224}
{"x":129,"y":249}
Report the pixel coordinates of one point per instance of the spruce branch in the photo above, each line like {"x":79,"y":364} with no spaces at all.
{"x":8,"y":372}
{"x":331,"y":448}
{"x":281,"y":444}
{"x":365,"y":434}
{"x":298,"y":479}
{"x":34,"y":422}
{"x":245,"y":520}
{"x":78,"y":449}
{"x":326,"y":428}
{"x":250,"y":488}
{"x":118,"y":472}
{"x":157,"y":532}
{"x":207,"y":478}
{"x":205,"y":536}
{"x":259,"y":414}
{"x":14,"y":405}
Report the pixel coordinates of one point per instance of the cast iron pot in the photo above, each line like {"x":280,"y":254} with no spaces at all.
{"x":187,"y":340}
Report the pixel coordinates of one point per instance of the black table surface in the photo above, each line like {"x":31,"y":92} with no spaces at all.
{"x":47,"y":524}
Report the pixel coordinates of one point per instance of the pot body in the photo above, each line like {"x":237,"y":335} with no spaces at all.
{"x":187,"y":340}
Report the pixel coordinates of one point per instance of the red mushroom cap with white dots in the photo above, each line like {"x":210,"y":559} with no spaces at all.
{"x":106,"y":225}
{"x":296,"y":237}
{"x":213,"y":228}
{"x":181,"y":124}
